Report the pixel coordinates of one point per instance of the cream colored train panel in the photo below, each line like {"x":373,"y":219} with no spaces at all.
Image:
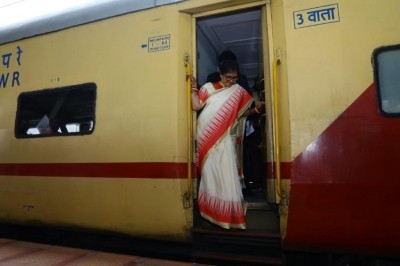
{"x":128,"y":173}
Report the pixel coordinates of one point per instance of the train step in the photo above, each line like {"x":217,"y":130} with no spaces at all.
{"x":259,"y":244}
{"x":236,"y":247}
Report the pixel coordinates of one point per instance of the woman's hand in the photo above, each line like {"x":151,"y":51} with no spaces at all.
{"x":255,"y":110}
{"x":193,"y":82}
{"x":259,"y":106}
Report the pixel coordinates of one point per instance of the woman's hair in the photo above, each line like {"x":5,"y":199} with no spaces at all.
{"x":227,"y":55}
{"x":228,"y":66}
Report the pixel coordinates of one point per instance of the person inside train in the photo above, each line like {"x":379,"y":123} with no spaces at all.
{"x":223,"y":104}
{"x":215,"y":76}
{"x":47,"y":126}
{"x":253,"y":168}
{"x":246,"y":153}
{"x":44,"y":126}
{"x":242,"y":79}
{"x":55,"y":125}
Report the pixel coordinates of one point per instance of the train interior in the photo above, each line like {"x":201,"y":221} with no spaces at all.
{"x":241,"y":33}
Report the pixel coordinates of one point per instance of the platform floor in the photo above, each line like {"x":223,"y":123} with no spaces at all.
{"x":19,"y":253}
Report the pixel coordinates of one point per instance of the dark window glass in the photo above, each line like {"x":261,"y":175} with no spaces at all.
{"x":387,"y":78}
{"x":56,"y":112}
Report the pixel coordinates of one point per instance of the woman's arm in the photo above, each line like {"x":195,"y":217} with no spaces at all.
{"x":254,"y":110}
{"x":194,"y":94}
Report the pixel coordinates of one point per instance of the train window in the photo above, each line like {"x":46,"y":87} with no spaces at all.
{"x":56,"y":112}
{"x":386,"y":62}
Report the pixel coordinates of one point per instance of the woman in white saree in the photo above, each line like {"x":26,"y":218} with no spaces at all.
{"x":223,"y":104}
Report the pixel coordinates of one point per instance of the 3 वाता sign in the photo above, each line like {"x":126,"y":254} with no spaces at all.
{"x":316,"y":16}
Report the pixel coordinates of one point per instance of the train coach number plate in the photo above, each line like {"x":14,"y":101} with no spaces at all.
{"x":159,"y":43}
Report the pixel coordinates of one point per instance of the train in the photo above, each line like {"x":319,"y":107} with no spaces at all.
{"x":97,"y":132}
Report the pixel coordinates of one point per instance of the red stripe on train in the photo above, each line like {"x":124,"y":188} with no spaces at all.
{"x":109,"y":170}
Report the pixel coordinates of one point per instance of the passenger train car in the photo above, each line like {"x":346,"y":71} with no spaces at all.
{"x":97,"y":131}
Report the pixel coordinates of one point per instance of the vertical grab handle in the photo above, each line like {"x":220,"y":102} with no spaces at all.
{"x":188,"y":195}
{"x":276,"y":129}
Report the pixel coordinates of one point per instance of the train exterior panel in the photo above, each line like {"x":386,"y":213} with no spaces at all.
{"x":331,"y":153}
{"x":123,"y":176}
{"x":341,"y":151}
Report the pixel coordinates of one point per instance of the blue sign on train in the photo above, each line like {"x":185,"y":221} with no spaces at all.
{"x":316,"y":16}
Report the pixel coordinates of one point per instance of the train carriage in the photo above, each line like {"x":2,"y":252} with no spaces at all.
{"x":97,"y":131}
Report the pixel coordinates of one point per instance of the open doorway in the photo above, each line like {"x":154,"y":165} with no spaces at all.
{"x":241,"y":33}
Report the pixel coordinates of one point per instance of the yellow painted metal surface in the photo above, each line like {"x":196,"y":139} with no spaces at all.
{"x":141,"y":207}
{"x":325,"y":67}
{"x":140,"y":117}
{"x":325,"y":50}
{"x":138,"y":92}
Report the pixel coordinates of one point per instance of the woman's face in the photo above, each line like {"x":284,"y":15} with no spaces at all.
{"x":229,"y":78}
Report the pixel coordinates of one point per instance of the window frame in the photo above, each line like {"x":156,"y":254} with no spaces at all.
{"x":375,"y":62}
{"x":68,"y":99}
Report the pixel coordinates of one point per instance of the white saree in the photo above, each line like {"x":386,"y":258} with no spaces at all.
{"x":220,"y":195}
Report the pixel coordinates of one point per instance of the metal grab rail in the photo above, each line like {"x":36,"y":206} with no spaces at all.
{"x":188,"y":194}
{"x":276,"y":128}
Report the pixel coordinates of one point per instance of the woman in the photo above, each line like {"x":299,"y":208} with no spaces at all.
{"x":223,"y":103}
